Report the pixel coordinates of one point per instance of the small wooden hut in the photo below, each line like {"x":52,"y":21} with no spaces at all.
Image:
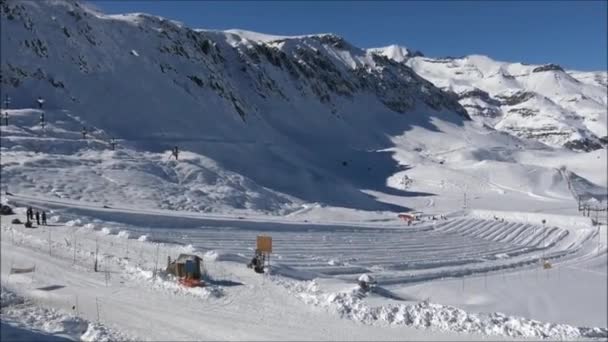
{"x":187,"y":267}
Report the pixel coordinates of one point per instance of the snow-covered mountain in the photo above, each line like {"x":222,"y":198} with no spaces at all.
{"x":293,"y":114}
{"x":270,"y":121}
{"x":544,"y":102}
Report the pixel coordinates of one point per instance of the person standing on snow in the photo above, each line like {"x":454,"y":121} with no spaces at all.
{"x":44,"y":218}
{"x":40,"y":102}
{"x":37,"y":217}
{"x":175,"y":152}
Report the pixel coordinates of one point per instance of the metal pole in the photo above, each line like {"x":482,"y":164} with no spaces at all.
{"x":156,"y":264}
{"x":74,"y":239}
{"x":598,"y":240}
{"x":96,"y":251}
{"x":97,"y":305}
{"x":544,"y":233}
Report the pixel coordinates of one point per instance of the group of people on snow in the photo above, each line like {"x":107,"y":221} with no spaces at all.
{"x":31,"y":215}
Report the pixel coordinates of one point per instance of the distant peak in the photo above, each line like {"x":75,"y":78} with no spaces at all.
{"x":398,"y":53}
{"x":548,"y":67}
{"x":263,"y":37}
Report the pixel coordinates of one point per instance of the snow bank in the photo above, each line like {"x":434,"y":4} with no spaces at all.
{"x":366,"y":278}
{"x":106,"y":231}
{"x":349,"y":304}
{"x":143,"y":238}
{"x":8,"y":298}
{"x":23,"y":312}
{"x":98,"y":333}
{"x":123,"y":234}
{"x":74,"y":223}
{"x":210,"y":256}
{"x":189,"y":249}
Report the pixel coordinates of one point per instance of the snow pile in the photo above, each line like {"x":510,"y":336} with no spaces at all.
{"x":210,"y":256}
{"x":143,"y":238}
{"x":17,"y":309}
{"x":74,"y":223}
{"x":350,"y":304}
{"x":8,"y":298}
{"x":189,"y":249}
{"x":123,"y":234}
{"x":98,"y":333}
{"x":106,"y":231}
{"x":366,"y":278}
{"x":334,"y":262}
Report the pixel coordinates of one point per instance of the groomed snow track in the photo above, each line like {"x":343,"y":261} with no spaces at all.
{"x":451,"y":248}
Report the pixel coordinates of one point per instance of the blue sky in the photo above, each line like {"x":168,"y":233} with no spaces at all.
{"x":570,"y":33}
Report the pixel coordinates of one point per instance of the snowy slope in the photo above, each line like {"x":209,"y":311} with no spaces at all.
{"x":265,"y":123}
{"x":543,"y":102}
{"x":262,"y":110}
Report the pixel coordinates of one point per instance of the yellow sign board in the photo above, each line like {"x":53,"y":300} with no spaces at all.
{"x":264,"y":244}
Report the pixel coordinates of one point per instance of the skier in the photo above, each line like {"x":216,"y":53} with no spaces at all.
{"x":44,"y":218}
{"x":40,"y":102}
{"x":42,"y":120}
{"x":84,"y":132}
{"x":29,"y":213}
{"x":37,"y":217}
